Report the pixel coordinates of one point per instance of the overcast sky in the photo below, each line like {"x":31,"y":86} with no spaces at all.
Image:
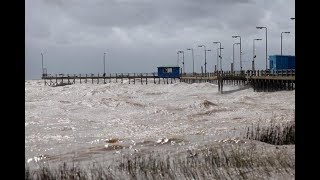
{"x":139,"y":35}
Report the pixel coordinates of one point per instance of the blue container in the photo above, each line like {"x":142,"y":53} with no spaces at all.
{"x":169,"y":72}
{"x":278,"y":62}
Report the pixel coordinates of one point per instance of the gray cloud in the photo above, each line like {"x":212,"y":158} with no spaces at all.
{"x":142,"y":34}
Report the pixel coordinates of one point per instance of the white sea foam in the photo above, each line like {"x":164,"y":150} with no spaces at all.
{"x":72,"y":118}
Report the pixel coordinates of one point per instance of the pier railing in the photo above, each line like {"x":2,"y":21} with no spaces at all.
{"x":286,"y":72}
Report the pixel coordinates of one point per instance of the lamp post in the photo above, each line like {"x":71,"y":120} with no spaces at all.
{"x":207,"y":50}
{"x":104,"y":63}
{"x":42,"y":63}
{"x":183,"y":70}
{"x":240,"y":51}
{"x":178,"y":58}
{"x":233,"y":55}
{"x":220,"y":58}
{"x":281,"y":40}
{"x":216,"y":42}
{"x":253,"y":54}
{"x":192,"y":59}
{"x":260,"y":27}
{"x":205,"y":58}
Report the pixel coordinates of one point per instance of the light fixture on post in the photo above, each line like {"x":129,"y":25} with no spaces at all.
{"x":232,"y":66}
{"x":281,"y":39}
{"x":261,"y":27}
{"x":183,"y":70}
{"x":253,"y":54}
{"x":217,"y":42}
{"x":205,"y":58}
{"x":192,"y":59}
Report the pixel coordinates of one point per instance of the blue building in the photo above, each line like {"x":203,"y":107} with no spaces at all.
{"x":169,"y":71}
{"x":278,"y":62}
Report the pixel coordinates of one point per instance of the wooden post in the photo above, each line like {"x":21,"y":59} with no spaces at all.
{"x":74,"y":78}
{"x":110,"y":78}
{"x":68,"y":79}
{"x":86,"y":78}
{"x":141,"y":78}
{"x":154,"y":78}
{"x":221,"y":86}
{"x":80,"y":78}
{"x":121,"y":78}
{"x":104,"y":78}
{"x":146,"y":78}
{"x":98,"y":79}
{"x":134,"y":78}
{"x":218,"y":83}
{"x":116,"y":77}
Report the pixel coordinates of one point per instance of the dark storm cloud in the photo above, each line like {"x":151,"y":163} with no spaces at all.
{"x":142,"y":34}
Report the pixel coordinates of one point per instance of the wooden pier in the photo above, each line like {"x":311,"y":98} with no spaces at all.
{"x":260,"y":80}
{"x":62,"y":79}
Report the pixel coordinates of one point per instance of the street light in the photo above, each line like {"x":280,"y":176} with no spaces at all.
{"x":216,"y":42}
{"x":42,"y":63}
{"x":233,"y":55}
{"x":104,"y":63}
{"x":281,"y":40}
{"x":220,"y":59}
{"x":205,"y":58}
{"x":253,"y":53}
{"x":183,"y":70}
{"x":240,"y":51}
{"x":192,"y":59}
{"x":178,"y":58}
{"x":208,"y":50}
{"x":260,"y":27}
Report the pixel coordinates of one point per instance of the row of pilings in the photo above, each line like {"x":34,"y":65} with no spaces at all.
{"x":267,"y":85}
{"x":132,"y":79}
{"x":259,"y":80}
